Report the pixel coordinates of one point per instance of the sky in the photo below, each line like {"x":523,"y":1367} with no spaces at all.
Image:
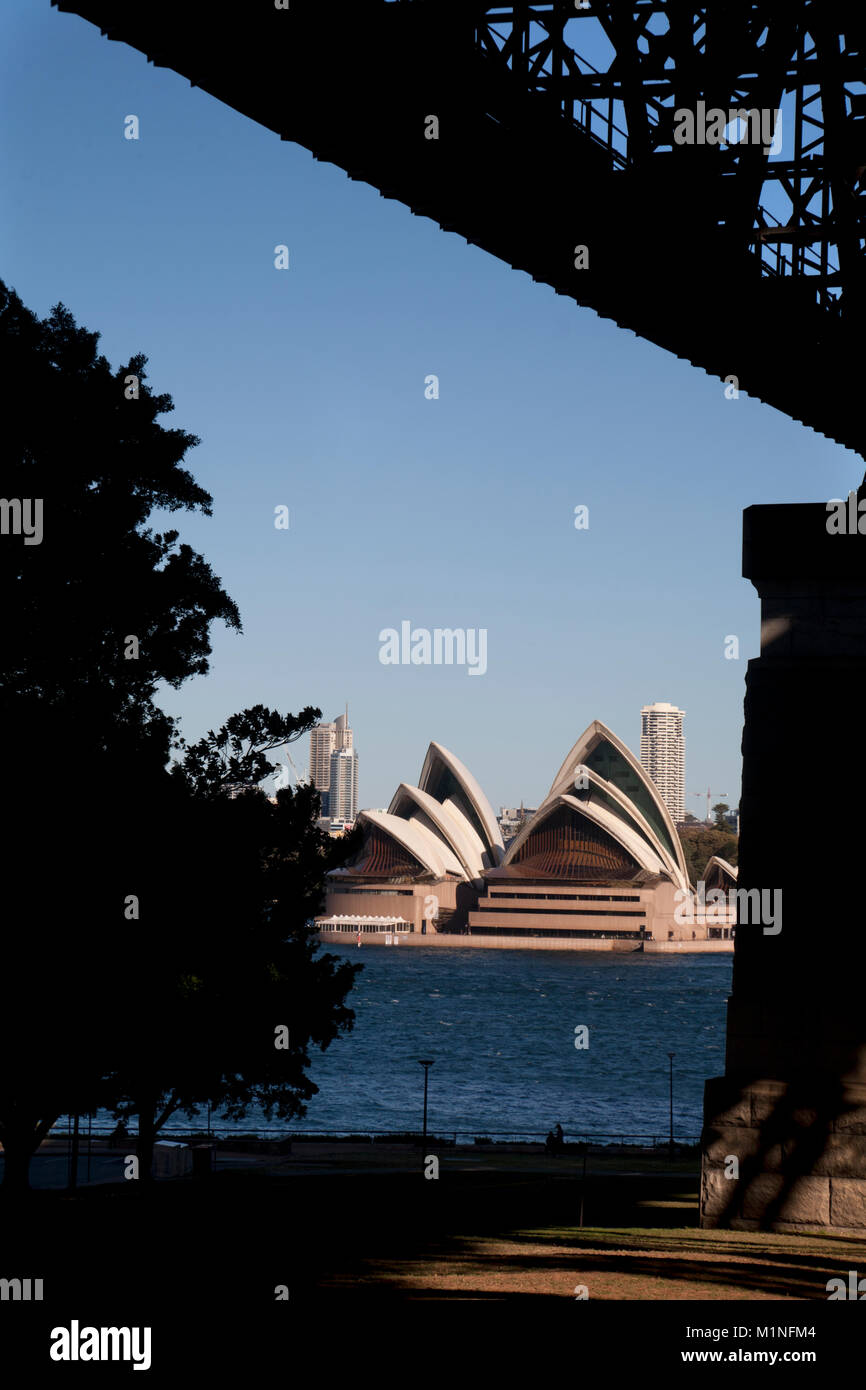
{"x":307,"y":387}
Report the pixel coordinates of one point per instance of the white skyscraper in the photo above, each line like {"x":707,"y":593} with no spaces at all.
{"x":663,"y":754}
{"x":343,"y":791}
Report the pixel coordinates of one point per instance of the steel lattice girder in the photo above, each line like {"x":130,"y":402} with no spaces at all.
{"x":744,"y":264}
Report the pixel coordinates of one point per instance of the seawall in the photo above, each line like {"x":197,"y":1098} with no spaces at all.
{"x":680,"y":948}
{"x":532,"y":943}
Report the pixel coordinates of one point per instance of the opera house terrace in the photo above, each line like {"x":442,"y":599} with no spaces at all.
{"x":599,"y":866}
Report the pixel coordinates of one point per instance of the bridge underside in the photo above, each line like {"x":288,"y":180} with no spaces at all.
{"x":675,"y":238}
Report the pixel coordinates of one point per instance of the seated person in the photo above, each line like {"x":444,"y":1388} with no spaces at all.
{"x":119,"y":1136}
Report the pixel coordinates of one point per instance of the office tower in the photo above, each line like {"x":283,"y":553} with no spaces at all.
{"x":325,"y":739}
{"x":663,"y":754}
{"x":343,"y":737}
{"x":322,"y":740}
{"x":343,"y":789}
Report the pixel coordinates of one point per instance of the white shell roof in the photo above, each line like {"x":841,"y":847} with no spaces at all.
{"x":564,"y":780}
{"x":635,"y":813}
{"x":459,"y":834}
{"x":428,"y":849}
{"x":473,"y":792}
{"x":630,"y":841}
{"x":723,"y":864}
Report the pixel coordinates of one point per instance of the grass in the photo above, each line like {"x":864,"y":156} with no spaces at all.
{"x":492,"y":1227}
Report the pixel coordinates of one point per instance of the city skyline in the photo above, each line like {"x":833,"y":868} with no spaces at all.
{"x":662,"y":754}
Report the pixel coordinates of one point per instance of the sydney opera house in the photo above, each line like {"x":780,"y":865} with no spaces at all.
{"x":598,"y":866}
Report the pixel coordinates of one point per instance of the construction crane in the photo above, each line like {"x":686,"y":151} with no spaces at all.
{"x":299,"y":780}
{"x":709,"y":798}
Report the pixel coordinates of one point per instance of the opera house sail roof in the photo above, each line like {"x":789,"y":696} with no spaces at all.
{"x":603,"y":818}
{"x":443,"y":827}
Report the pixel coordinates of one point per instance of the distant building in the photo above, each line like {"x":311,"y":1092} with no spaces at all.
{"x":343,"y":785}
{"x":334,"y":828}
{"x":600,"y":858}
{"x":599,"y":861}
{"x":322,"y":740}
{"x":663,"y":754}
{"x":326,"y":739}
{"x":343,"y":736}
{"x":511,"y":819}
{"x":719,"y":875}
{"x":422,"y":860}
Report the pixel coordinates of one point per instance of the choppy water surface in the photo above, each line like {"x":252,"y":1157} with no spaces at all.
{"x":500,"y":1028}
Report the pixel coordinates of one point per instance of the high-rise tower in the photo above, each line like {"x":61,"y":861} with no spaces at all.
{"x":343,"y":793}
{"x":663,"y":754}
{"x":322,"y":740}
{"x":325,"y":741}
{"x":343,"y":736}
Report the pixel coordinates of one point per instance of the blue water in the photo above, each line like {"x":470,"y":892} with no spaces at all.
{"x":500,"y":1028}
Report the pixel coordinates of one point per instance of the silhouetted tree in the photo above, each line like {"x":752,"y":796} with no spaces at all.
{"x":100,"y":463}
{"x":85,"y":744}
{"x":156,"y":930}
{"x":229,"y":994}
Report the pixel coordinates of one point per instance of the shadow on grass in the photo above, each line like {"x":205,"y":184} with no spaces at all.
{"x":373,"y":1233}
{"x":470,"y":1268}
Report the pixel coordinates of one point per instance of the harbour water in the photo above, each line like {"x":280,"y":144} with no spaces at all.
{"x":500,"y":1029}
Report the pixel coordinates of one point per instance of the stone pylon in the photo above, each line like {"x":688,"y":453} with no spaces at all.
{"x":784,"y":1140}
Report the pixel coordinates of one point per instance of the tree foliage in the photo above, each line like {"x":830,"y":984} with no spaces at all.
{"x":235,"y":963}
{"x":101,"y":463}
{"x":236,"y":755}
{"x":701,"y":842}
{"x":155,"y":927}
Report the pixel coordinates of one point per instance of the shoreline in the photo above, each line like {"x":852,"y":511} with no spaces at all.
{"x":529,"y":943}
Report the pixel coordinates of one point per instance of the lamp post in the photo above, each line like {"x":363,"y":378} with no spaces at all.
{"x":426,"y":1063}
{"x":671,"y":1055}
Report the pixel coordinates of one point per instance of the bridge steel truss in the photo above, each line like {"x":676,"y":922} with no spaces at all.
{"x":744,"y":259}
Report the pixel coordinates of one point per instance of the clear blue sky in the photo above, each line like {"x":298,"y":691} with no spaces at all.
{"x":306,"y":387}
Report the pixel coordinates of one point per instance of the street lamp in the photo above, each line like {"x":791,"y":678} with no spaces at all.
{"x":426,"y":1063}
{"x":671,"y":1055}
